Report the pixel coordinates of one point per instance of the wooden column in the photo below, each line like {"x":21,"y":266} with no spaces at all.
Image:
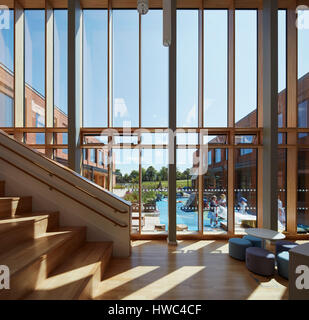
{"x":49,"y":74}
{"x":200,"y":184}
{"x":260,"y":121}
{"x":231,"y":116}
{"x":172,"y":129}
{"x":19,"y":67}
{"x":270,"y":114}
{"x":291,"y":176}
{"x":74,"y":84}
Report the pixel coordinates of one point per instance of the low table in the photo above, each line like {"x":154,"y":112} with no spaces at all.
{"x":265,"y":234}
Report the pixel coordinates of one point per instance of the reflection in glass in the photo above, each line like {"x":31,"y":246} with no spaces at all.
{"x":6,"y":71}
{"x":95,"y":68}
{"x":61,"y":156}
{"x":303,"y":69}
{"x":35,"y":68}
{"x":303,"y":192}
{"x":95,"y":166}
{"x":281,"y":189}
{"x":125,"y":68}
{"x":281,"y":68}
{"x":187,"y":68}
{"x":245,"y":189}
{"x":60,"y":68}
{"x":154,"y":63}
{"x":215,"y":202}
{"x":245,"y":68}
{"x":242,"y":139}
{"x":215,"y":68}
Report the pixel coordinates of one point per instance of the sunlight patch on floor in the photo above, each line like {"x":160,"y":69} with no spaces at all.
{"x":161,"y":286}
{"x":66,"y":278}
{"x":266,"y":291}
{"x":123,"y":278}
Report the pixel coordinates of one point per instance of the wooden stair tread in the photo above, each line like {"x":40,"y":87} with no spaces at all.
{"x":14,"y":198}
{"x":28,"y":252}
{"x":68,"y":280}
{"x":11,"y":206}
{"x":9,"y":223}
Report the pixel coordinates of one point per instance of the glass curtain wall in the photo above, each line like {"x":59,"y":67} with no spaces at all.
{"x":245,"y":68}
{"x":7,"y":70}
{"x":129,"y":60}
{"x":303,"y":121}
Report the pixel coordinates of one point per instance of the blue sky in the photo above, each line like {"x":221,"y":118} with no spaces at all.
{"x":154,"y":61}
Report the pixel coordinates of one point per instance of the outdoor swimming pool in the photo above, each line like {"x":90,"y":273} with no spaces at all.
{"x":188,"y":218}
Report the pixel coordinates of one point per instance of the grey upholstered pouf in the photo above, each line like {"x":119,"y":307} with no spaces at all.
{"x":260,"y":261}
{"x":283,"y":264}
{"x":237,"y":248}
{"x":284,"y":245}
{"x":256,"y":242}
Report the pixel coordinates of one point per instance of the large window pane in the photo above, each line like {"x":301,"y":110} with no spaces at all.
{"x":95,"y":167}
{"x":95,"y":68}
{"x":125,"y":68}
{"x":215,"y":68}
{"x":154,"y":72}
{"x":187,"y":190}
{"x":126,"y":181}
{"x":154,"y":190}
{"x":281,"y":189}
{"x":187,"y":68}
{"x":215,"y":202}
{"x":245,"y":68}
{"x":6,"y":70}
{"x":245,"y":189}
{"x":282,"y":68}
{"x":303,"y":192}
{"x":35,"y":68}
{"x":303,"y":68}
{"x":60,"y":68}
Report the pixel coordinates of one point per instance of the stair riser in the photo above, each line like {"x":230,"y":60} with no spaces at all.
{"x":25,"y":281}
{"x":11,"y":207}
{"x":26,"y":231}
{"x":93,"y":282}
{"x":2,"y":191}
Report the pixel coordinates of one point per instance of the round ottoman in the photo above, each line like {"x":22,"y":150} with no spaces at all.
{"x":237,"y":248}
{"x":260,"y":261}
{"x":284,"y":245}
{"x":256,"y":242}
{"x":283,"y":264}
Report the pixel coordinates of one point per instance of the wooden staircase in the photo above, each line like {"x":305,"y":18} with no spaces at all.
{"x":46,"y":261}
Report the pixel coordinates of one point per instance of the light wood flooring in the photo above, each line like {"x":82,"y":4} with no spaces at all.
{"x":191,"y":270}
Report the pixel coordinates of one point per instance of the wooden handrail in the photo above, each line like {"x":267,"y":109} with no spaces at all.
{"x":63,"y":167}
{"x":122,"y":225}
{"x":61,"y":178}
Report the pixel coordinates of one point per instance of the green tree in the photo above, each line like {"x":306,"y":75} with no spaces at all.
{"x":126,"y":178}
{"x":151,"y":174}
{"x":133,"y":176}
{"x":178,"y":175}
{"x":143,"y":174}
{"x":119,"y":177}
{"x":163,"y":173}
{"x":186,"y":174}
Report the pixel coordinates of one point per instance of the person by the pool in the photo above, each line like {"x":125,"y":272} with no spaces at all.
{"x":213,"y":211}
{"x":243,"y":203}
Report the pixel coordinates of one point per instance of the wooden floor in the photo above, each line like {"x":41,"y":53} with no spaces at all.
{"x":192,"y":270}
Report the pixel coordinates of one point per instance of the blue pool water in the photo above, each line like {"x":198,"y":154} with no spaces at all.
{"x":188,"y":218}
